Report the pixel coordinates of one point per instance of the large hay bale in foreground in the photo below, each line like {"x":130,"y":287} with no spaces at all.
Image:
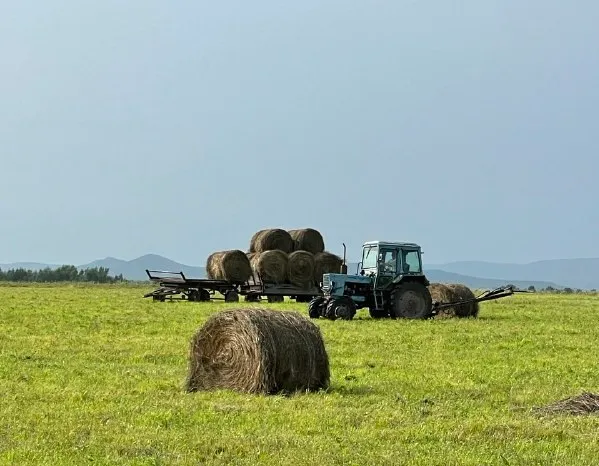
{"x":232,"y":265}
{"x":300,"y":271}
{"x":258,"y":351}
{"x":272,"y":238}
{"x":271,"y":266}
{"x":463,"y":293}
{"x":326,"y":262}
{"x":307,"y":239}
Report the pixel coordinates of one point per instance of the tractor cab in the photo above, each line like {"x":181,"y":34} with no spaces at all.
{"x":389,"y":263}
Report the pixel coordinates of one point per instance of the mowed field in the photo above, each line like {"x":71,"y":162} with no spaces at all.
{"x":94,"y":375}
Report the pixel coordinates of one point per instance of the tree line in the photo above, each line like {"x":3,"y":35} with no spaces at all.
{"x":64,"y":273}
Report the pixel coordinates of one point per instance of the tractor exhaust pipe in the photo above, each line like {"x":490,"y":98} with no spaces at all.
{"x":344,"y":265}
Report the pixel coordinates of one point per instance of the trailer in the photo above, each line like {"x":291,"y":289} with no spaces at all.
{"x":175,"y":285}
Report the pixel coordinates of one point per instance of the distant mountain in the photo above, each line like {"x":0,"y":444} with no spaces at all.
{"x":442,"y":276}
{"x":28,"y":266}
{"x":136,"y":269}
{"x":131,"y":270}
{"x":573,"y":273}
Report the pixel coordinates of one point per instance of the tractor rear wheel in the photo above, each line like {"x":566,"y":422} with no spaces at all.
{"x":341,"y":308}
{"x":411,"y":300}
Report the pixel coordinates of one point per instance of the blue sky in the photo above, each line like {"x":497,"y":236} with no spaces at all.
{"x":180,"y":128}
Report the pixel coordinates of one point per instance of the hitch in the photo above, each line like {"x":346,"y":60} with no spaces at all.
{"x":497,"y":293}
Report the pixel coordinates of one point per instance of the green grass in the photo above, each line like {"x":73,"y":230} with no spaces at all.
{"x":94,"y":374}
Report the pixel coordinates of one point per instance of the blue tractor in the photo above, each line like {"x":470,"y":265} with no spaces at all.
{"x":389,"y":282}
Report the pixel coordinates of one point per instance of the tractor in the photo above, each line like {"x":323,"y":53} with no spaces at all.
{"x":390,"y":283}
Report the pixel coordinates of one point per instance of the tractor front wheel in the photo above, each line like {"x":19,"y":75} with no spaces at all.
{"x":315,"y":307}
{"x":341,"y":308}
{"x":411,"y":300}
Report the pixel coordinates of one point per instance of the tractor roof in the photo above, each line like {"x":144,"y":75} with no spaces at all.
{"x":391,"y":243}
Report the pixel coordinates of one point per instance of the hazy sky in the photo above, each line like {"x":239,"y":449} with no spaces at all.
{"x":180,"y":128}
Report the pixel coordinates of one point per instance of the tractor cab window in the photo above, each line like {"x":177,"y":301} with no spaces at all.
{"x":389,"y":261}
{"x":411,"y":262}
{"x":369,"y":259}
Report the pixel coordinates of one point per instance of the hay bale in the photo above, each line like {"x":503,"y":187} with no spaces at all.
{"x":300,"y":271}
{"x":258,"y":351}
{"x":307,"y":239}
{"x":326,"y":262}
{"x":585,"y":403}
{"x":271,"y":266}
{"x":462,"y":293}
{"x":270,"y":239}
{"x":232,"y":265}
{"x":441,"y":293}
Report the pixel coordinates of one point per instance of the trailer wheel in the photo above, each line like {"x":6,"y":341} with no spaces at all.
{"x":252,"y":298}
{"x":411,"y":300}
{"x":343,"y":308}
{"x":204,"y":295}
{"x":315,"y":307}
{"x":231,"y":296}
{"x":275,"y":299}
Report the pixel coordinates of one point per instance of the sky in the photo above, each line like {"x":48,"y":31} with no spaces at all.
{"x":181,"y":128}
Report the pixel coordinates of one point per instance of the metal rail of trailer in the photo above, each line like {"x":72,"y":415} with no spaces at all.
{"x":175,"y":285}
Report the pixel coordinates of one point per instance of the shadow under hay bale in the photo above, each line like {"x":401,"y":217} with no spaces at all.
{"x":585,"y":403}
{"x":307,"y":239}
{"x":326,"y":262}
{"x":270,"y":239}
{"x":272,"y":266}
{"x":300,"y":270}
{"x":232,"y":265}
{"x":258,"y":351}
{"x":463,"y":293}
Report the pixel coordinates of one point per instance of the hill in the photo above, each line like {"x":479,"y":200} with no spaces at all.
{"x":136,"y":269}
{"x":573,"y":273}
{"x":443,"y":276}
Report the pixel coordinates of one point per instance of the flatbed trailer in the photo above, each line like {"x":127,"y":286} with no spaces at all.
{"x":175,"y":285}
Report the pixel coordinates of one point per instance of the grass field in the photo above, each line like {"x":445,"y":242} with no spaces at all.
{"x":94,"y":374}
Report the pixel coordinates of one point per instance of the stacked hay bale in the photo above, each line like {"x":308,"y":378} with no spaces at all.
{"x":307,"y":259}
{"x":271,"y":265}
{"x":307,"y":239}
{"x":301,"y":268}
{"x":451,"y":293}
{"x":231,"y":265}
{"x":278,"y":256}
{"x":258,"y":351}
{"x":326,"y":262}
{"x":270,"y":239}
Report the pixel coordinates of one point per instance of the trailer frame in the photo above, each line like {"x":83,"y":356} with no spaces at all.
{"x":204,"y":289}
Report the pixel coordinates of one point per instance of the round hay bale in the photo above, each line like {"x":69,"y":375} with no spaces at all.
{"x":271,"y":266}
{"x":270,"y":239}
{"x":441,"y":293}
{"x":232,"y":265}
{"x":258,"y":351}
{"x":307,"y":239}
{"x":300,"y":269}
{"x":326,"y":262}
{"x":463,"y":293}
